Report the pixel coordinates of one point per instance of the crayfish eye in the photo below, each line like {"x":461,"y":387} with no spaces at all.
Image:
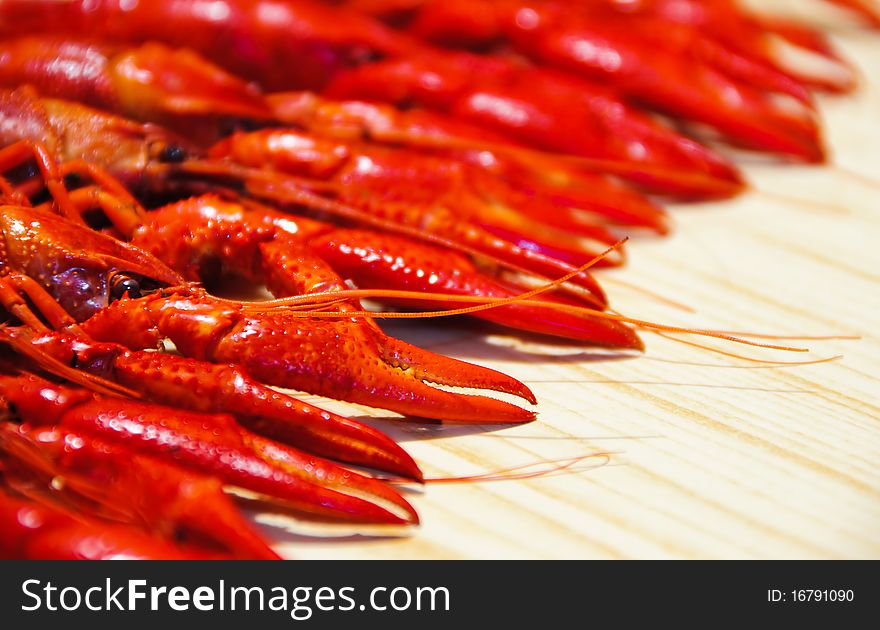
{"x":172,"y":153}
{"x":121,"y":286}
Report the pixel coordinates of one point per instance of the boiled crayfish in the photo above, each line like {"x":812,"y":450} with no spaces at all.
{"x":435,"y":155}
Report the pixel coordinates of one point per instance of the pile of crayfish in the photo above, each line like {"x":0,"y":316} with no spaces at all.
{"x":467,"y":157}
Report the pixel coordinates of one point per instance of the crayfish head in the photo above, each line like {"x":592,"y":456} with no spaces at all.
{"x":83,"y":270}
{"x":136,"y":154}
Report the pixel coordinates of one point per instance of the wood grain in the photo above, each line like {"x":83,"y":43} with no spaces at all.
{"x":709,"y":456}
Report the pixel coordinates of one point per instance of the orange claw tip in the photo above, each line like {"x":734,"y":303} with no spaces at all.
{"x":388,"y":456}
{"x":594,"y":331}
{"x":328,"y":491}
{"x":420,"y":400}
{"x":801,"y":141}
{"x":427,"y":366}
{"x":547,"y":320}
{"x":337,"y":479}
{"x":523,"y":416}
{"x":362,"y":446}
{"x":661,"y":224}
{"x":639,"y":212}
{"x":701,"y":174}
{"x":814,"y":153}
{"x":638,"y":343}
{"x":491,"y":410}
{"x":798,"y":147}
{"x":598,"y":332}
{"x":690,"y":186}
{"x":412,"y":472}
{"x":352,"y":510}
{"x":405,"y":466}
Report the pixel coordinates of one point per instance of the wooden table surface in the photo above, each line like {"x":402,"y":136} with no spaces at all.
{"x":708,"y":456}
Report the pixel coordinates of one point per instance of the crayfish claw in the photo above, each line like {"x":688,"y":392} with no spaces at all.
{"x":336,"y":479}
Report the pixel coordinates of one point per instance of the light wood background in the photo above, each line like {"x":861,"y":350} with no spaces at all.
{"x":710,"y":457}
